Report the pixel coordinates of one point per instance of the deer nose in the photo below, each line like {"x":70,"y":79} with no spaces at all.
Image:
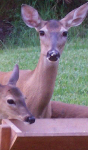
{"x":30,"y":119}
{"x":53,"y":55}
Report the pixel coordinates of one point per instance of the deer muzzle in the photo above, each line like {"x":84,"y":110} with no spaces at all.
{"x":53,"y":55}
{"x":30,"y":119}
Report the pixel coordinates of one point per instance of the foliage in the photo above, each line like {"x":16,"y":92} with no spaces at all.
{"x":10,"y":11}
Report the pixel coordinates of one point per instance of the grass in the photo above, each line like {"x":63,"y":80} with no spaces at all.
{"x":25,"y":57}
{"x":72,"y":79}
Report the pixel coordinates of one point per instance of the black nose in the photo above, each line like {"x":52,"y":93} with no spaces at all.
{"x":53,"y":55}
{"x":30,"y":119}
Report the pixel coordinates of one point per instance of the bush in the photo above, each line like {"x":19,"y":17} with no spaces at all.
{"x":24,"y":36}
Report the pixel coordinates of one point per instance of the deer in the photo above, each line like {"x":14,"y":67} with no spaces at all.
{"x":38,"y":84}
{"x":12,"y":101}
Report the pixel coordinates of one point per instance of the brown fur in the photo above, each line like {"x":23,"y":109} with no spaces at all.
{"x":63,"y":110}
{"x":18,"y":109}
{"x":38,"y":85}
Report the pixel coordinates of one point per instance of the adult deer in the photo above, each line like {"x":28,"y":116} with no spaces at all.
{"x":38,"y":85}
{"x":12,"y":101}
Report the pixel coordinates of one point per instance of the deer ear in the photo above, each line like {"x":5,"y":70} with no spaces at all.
{"x":15,"y":76}
{"x":31,"y":17}
{"x":75,"y":17}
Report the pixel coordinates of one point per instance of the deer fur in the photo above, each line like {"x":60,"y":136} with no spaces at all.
{"x":64,"y":110}
{"x":12,"y":101}
{"x":38,"y":84}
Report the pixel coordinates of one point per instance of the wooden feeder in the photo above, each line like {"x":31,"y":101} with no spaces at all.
{"x":44,"y":134}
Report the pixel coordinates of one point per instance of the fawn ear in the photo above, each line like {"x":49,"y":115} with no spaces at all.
{"x":75,"y":17}
{"x":15,"y":76}
{"x":31,"y":17}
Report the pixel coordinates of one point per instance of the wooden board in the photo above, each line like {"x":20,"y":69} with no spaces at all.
{"x":49,"y":134}
{"x":5,"y":134}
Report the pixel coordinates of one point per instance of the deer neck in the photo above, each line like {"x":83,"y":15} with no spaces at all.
{"x":42,"y":83}
{"x":45,"y":73}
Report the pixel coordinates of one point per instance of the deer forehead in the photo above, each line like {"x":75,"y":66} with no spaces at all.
{"x":14,"y":92}
{"x":53,"y":26}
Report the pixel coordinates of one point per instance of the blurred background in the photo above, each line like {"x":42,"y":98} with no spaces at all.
{"x":14,"y":32}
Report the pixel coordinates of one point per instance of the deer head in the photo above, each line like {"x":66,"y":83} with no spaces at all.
{"x":53,"y":33}
{"x":12,"y":101}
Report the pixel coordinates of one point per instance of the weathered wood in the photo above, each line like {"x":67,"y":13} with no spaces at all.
{"x":14,"y":130}
{"x":50,"y":134}
{"x":13,"y":126}
{"x":51,"y":143}
{"x":5,"y":134}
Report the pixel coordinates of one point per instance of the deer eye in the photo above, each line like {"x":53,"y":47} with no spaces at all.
{"x":11,"y":101}
{"x":65,"y":33}
{"x":42,"y":33}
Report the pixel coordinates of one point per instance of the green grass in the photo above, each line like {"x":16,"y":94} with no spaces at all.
{"x":72,"y":79}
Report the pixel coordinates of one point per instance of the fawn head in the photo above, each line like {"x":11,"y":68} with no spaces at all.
{"x":12,"y":101}
{"x":53,"y":33}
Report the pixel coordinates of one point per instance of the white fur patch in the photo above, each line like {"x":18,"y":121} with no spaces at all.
{"x":62,"y":29}
{"x":44,"y":28}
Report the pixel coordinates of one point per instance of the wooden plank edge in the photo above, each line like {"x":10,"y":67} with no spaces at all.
{"x":5,"y":137}
{"x":14,"y":130}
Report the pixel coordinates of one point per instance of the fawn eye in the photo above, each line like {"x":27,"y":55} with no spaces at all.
{"x":11,"y":101}
{"x":42,"y":33}
{"x":65,"y":33}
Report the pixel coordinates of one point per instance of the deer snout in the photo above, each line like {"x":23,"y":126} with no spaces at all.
{"x":53,"y":55}
{"x":30,"y":119}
